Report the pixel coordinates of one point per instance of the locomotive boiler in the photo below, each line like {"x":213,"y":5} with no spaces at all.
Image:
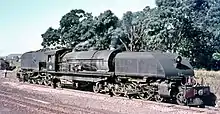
{"x":145,"y":75}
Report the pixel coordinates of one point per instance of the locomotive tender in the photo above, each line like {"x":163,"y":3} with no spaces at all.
{"x":145,"y":75}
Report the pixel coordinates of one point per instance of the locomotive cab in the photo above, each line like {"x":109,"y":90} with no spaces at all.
{"x":54,"y":59}
{"x":51,"y":62}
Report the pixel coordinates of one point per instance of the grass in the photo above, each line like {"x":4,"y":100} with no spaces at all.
{"x":211,"y":78}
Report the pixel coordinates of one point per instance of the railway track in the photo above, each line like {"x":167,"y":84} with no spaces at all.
{"x":101,"y":100}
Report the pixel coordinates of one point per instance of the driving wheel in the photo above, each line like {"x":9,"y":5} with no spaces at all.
{"x":180,"y":99}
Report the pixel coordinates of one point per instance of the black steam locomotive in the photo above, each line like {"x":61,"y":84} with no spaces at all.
{"x":145,"y":75}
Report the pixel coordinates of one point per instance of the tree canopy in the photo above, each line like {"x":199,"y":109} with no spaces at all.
{"x":190,"y":28}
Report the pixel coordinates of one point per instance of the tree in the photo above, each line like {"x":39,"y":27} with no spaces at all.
{"x":76,"y":26}
{"x":117,"y":36}
{"x":51,"y":37}
{"x":134,"y":29}
{"x":174,"y":26}
{"x":104,"y":25}
{"x":204,"y":14}
{"x":187,"y":27}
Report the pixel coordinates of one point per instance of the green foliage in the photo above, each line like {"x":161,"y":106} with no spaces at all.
{"x":104,"y":25}
{"x":51,"y":37}
{"x":134,"y":29}
{"x":76,"y":26}
{"x":180,"y":26}
{"x":190,"y":28}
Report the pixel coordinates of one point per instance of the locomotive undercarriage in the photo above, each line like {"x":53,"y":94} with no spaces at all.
{"x":160,"y":90}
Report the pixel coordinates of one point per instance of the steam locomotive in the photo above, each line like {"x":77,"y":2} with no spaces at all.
{"x":145,"y":75}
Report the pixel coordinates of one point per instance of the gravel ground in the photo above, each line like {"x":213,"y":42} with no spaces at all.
{"x":23,"y":98}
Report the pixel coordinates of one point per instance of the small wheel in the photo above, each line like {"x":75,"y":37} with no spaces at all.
{"x":158,"y":98}
{"x":115,"y":93}
{"x":59,"y":84}
{"x":116,"y":90}
{"x":20,"y":79}
{"x":96,"y":87}
{"x":53,"y":85}
{"x":46,"y":82}
{"x":41,"y":82}
{"x":130,"y":96}
{"x":180,"y":99}
{"x":75,"y":85}
{"x":141,"y":96}
{"x":30,"y":81}
{"x":33,"y":81}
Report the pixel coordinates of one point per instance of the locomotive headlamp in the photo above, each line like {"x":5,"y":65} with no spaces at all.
{"x":178,"y":59}
{"x":200,"y":92}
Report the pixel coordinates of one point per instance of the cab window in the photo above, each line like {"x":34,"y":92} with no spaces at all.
{"x":49,"y":58}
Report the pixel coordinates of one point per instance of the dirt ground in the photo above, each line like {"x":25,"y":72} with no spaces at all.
{"x":26,"y":94}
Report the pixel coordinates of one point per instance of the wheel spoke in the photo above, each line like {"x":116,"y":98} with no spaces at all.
{"x":59,"y":84}
{"x":96,"y":87}
{"x":147,"y":94}
{"x":29,"y":81}
{"x":180,"y":99}
{"x":158,"y":98}
{"x":40,"y":81}
{"x":117,"y":90}
{"x":33,"y":81}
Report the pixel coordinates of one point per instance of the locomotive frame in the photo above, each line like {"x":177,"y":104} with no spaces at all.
{"x":150,"y":76}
